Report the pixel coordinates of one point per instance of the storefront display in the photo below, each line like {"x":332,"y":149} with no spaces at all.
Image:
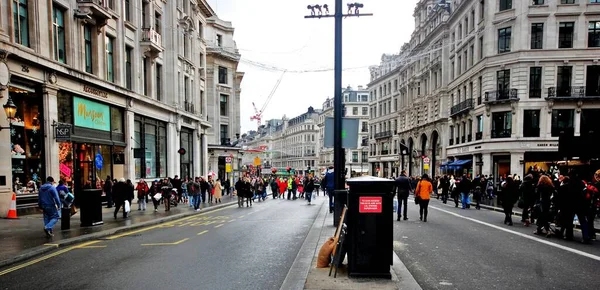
{"x":151,"y":136}
{"x":27,"y":140}
{"x":186,"y":141}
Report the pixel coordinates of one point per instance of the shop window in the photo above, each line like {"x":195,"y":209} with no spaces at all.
{"x":21,"y":22}
{"x":590,"y":118}
{"x":562,"y":121}
{"x":152,"y":136}
{"x":501,"y":124}
{"x":27,"y":141}
{"x":531,"y":123}
{"x":186,"y":141}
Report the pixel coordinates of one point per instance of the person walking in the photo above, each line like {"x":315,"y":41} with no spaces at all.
{"x":329,"y":184}
{"x":142,"y":193}
{"x":508,"y":199}
{"x":119,"y":193}
{"x":154,"y":190}
{"x":465,"y":186}
{"x":218,"y":191}
{"x":403,"y":190}
{"x":309,"y":186}
{"x":239,"y":187}
{"x":108,"y":185}
{"x":423,"y":191}
{"x":282,"y":187}
{"x":194,"y":188}
{"x":227,"y":185}
{"x":49,"y":202}
{"x":527,"y":190}
{"x":274,"y":188}
{"x":166,"y":189}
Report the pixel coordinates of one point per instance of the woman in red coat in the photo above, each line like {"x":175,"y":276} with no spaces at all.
{"x":282,"y":186}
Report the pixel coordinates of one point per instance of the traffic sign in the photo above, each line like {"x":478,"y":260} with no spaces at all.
{"x":227,"y":159}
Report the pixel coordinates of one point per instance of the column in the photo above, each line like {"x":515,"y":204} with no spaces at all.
{"x":197,"y":143}
{"x":5,"y":163}
{"x":486,"y":168}
{"x":577,"y":122}
{"x":517,"y":163}
{"x":129,"y":132}
{"x":172,"y":147}
{"x":204,"y":155}
{"x":474,"y":165}
{"x":50,"y":144}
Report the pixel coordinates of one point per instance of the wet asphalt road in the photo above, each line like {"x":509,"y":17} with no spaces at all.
{"x":232,"y":248}
{"x":471,"y":249}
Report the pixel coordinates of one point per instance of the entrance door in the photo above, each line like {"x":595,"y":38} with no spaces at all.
{"x":93,"y":163}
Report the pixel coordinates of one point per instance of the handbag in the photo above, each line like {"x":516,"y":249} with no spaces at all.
{"x":127,"y":206}
{"x":521,"y":203}
{"x":73,"y":210}
{"x":417,"y":199}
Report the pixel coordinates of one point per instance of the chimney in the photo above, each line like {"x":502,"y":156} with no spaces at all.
{"x":360,"y":87}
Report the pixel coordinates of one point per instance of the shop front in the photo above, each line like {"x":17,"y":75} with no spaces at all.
{"x":27,"y":141}
{"x":150,"y":148}
{"x":186,"y":152}
{"x":96,"y":147}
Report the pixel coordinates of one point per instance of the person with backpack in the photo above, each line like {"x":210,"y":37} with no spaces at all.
{"x":142,"y":194}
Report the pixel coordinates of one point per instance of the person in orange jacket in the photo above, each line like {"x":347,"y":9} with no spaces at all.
{"x":423,"y":191}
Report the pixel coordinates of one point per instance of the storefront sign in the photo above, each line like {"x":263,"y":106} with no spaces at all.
{"x":91,"y":115}
{"x":369,"y":204}
{"x":95,"y":92}
{"x":62,"y":132}
{"x":118,"y":158}
{"x":547,"y":145}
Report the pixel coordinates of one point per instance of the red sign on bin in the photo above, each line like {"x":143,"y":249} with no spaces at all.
{"x":369,"y":204}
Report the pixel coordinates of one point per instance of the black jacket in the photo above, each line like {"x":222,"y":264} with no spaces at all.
{"x":403,"y":186}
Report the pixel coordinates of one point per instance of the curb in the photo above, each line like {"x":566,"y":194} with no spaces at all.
{"x":39,"y":250}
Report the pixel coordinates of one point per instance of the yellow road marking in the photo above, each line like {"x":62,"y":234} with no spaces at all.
{"x":202,"y":232}
{"x":52,"y":245}
{"x":32,"y":262}
{"x":218,"y":226}
{"x":92,"y":247}
{"x":167,"y":244}
{"x":171,"y":223}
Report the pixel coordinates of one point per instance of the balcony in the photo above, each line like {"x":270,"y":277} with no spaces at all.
{"x":478,"y":135}
{"x":96,"y":10}
{"x":364,"y":130}
{"x":385,"y":152}
{"x":531,"y":132}
{"x":572,"y":93}
{"x":364,"y":143}
{"x":451,"y":141}
{"x":382,"y":135}
{"x":463,"y":107}
{"x":309,"y":154}
{"x":503,"y":133}
{"x":189,"y":107}
{"x":501,"y":96}
{"x":151,"y":42}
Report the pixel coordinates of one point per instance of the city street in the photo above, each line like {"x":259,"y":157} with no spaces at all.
{"x":473,"y":249}
{"x":229,"y":248}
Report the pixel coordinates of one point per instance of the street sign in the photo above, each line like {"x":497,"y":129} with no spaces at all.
{"x":227,"y":159}
{"x":369,"y":204}
{"x":426,"y":160}
{"x":257,"y":161}
{"x":349,"y":133}
{"x":63,"y":132}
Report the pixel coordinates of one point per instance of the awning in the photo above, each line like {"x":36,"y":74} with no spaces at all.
{"x":460,"y":162}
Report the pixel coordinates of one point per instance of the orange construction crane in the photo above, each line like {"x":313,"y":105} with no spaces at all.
{"x":258,"y":113}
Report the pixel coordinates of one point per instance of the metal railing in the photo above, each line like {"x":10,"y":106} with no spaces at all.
{"x":462,"y":107}
{"x":225,"y":141}
{"x":570,"y":92}
{"x":385,"y":152}
{"x":103,"y":3}
{"x":151,"y":35}
{"x":385,"y":134}
{"x":189,"y":107}
{"x":478,"y":135}
{"x":501,"y":95}
{"x":503,"y":133}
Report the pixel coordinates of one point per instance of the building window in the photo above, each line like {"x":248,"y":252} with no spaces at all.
{"x":365,"y":111}
{"x":219,"y":40}
{"x":152,"y":136}
{"x":355,"y":157}
{"x":592,"y":87}
{"x":531,"y":123}
{"x":503,"y":82}
{"x":565,"y":34}
{"x":145,"y":75}
{"x":365,"y":157}
{"x":224,"y":132}
{"x":535,"y":82}
{"x":590,"y":118}
{"x":128,"y":77}
{"x":567,"y":1}
{"x":504,"y":39}
{"x":505,"y":5}
{"x":21,"y":22}
{"x":562,"y":121}
{"x":471,"y":55}
{"x":110,"y":64}
{"x":594,"y":34}
{"x":537,"y":35}
{"x":355,"y":111}
{"x":479,"y":123}
{"x":563,"y":85}
{"x":501,"y":124}
{"x":158,"y":82}
{"x":481,"y":48}
{"x":222,"y":75}
{"x":481,"y":10}
{"x":58,"y":31}
{"x":223,"y":105}
{"x":128,"y":10}
{"x":87,"y":36}
{"x":538,"y":2}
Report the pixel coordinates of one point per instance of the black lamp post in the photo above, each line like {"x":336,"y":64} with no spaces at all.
{"x":11,"y":110}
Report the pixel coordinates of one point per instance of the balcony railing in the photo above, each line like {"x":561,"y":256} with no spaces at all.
{"x":385,"y":152}
{"x":462,"y":107}
{"x":557,"y":131}
{"x":189,"y":107}
{"x":151,"y":35}
{"x":385,"y":134}
{"x":571,"y":92}
{"x":531,"y":132}
{"x":98,"y":9}
{"x":503,"y":133}
{"x":364,"y":143}
{"x":478,"y":135}
{"x":501,"y":96}
{"x":451,"y":141}
{"x":310,"y":154}
{"x":364,"y":130}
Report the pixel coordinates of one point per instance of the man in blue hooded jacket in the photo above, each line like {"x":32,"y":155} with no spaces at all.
{"x":328,"y":182}
{"x":49,"y":202}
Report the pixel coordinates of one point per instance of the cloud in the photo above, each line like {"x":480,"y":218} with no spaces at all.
{"x":274,"y":32}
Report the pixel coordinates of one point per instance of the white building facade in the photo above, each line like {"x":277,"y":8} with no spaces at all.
{"x":296,"y":142}
{"x":356,"y":106}
{"x":124,"y":81}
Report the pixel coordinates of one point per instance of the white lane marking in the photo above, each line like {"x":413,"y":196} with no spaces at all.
{"x":578,"y":252}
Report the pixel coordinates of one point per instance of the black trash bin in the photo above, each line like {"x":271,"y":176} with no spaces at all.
{"x":90,"y":207}
{"x":340,"y":199}
{"x":65,"y":218}
{"x":370,"y":227}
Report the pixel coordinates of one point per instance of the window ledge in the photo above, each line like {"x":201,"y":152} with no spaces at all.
{"x":507,"y":11}
{"x":539,"y":6}
{"x":130,"y":25}
{"x":567,"y":5}
{"x":562,"y":14}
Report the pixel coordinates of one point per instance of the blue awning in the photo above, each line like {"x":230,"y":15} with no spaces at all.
{"x":460,"y":162}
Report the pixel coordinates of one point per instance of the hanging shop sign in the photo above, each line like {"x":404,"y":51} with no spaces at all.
{"x":62,"y":132}
{"x":92,"y":115}
{"x":118,"y":158}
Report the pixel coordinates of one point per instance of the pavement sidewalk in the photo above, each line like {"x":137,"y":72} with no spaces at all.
{"x":24,"y":238}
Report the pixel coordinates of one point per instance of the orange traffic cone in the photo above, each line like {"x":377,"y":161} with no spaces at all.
{"x":12,"y":212}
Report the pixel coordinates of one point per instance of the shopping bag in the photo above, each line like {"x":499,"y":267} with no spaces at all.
{"x":395,"y":205}
{"x":127,"y":206}
{"x":73,"y":210}
{"x":157,"y":196}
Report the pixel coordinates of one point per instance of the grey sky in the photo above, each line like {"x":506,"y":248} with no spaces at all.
{"x":274,"y":32}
